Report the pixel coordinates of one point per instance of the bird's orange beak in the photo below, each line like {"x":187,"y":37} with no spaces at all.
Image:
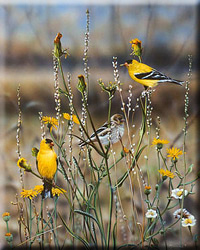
{"x":124,"y":64}
{"x":51,"y":144}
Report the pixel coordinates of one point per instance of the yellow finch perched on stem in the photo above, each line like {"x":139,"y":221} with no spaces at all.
{"x":47,"y":165}
{"x":146,"y":75}
{"x":109,"y":134}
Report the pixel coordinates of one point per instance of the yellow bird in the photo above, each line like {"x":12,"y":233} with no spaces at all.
{"x":146,"y":75}
{"x":47,"y":165}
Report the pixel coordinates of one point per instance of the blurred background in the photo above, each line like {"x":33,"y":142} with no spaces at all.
{"x":168,"y":35}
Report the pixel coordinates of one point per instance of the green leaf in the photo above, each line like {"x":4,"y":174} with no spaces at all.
{"x":86,"y":244}
{"x":92,"y":217}
{"x":190,"y":169}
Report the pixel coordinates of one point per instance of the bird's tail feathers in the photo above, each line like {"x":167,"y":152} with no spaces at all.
{"x":47,"y":191}
{"x":176,"y":82}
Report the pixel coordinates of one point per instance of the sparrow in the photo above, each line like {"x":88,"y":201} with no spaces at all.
{"x":108,"y":133}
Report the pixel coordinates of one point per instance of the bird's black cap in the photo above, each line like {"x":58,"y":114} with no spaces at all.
{"x":129,"y":61}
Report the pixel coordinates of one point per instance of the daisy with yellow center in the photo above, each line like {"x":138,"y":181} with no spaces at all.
{"x":166,"y":173}
{"x":188,"y":222}
{"x":39,"y":188}
{"x":178,"y":193}
{"x":151,"y":214}
{"x":68,"y":117}
{"x":174,"y":153}
{"x":50,"y":121}
{"x":28,"y":193}
{"x":159,"y":143}
{"x":184,"y":212}
{"x":56,"y":191}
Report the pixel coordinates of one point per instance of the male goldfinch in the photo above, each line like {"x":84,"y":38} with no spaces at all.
{"x":47,"y":165}
{"x":146,"y":75}
{"x":109,"y":134}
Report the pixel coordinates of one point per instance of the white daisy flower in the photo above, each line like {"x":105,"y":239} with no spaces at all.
{"x":178,"y":193}
{"x":185,"y":213}
{"x":188,"y":222}
{"x":151,"y":214}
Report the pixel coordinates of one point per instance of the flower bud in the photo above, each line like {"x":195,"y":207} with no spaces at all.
{"x":9,"y":237}
{"x":136,"y":47}
{"x":81,"y":83}
{"x":34,"y":152}
{"x":147,"y":190}
{"x":22,"y":163}
{"x":57,"y":46}
{"x":6,"y":216}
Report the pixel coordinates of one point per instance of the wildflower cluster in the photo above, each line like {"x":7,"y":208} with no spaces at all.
{"x":93,"y":166}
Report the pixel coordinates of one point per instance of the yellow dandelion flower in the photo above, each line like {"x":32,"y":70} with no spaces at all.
{"x":50,"y":121}
{"x":28,"y":193}
{"x":39,"y":188}
{"x":68,"y":117}
{"x":56,"y":191}
{"x":159,"y":143}
{"x":174,"y":153}
{"x":166,"y":173}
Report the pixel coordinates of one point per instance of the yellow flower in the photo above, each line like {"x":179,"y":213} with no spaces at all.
{"x":28,"y":193}
{"x":174,"y":153}
{"x":166,"y":173}
{"x":159,"y":143}
{"x":51,"y":121}
{"x":22,"y":163}
{"x":75,"y":119}
{"x":68,"y":117}
{"x":39,"y":188}
{"x":56,"y":191}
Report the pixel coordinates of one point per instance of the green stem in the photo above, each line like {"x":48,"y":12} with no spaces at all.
{"x":30,"y":222}
{"x":110,"y":204}
{"x":7,"y":227}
